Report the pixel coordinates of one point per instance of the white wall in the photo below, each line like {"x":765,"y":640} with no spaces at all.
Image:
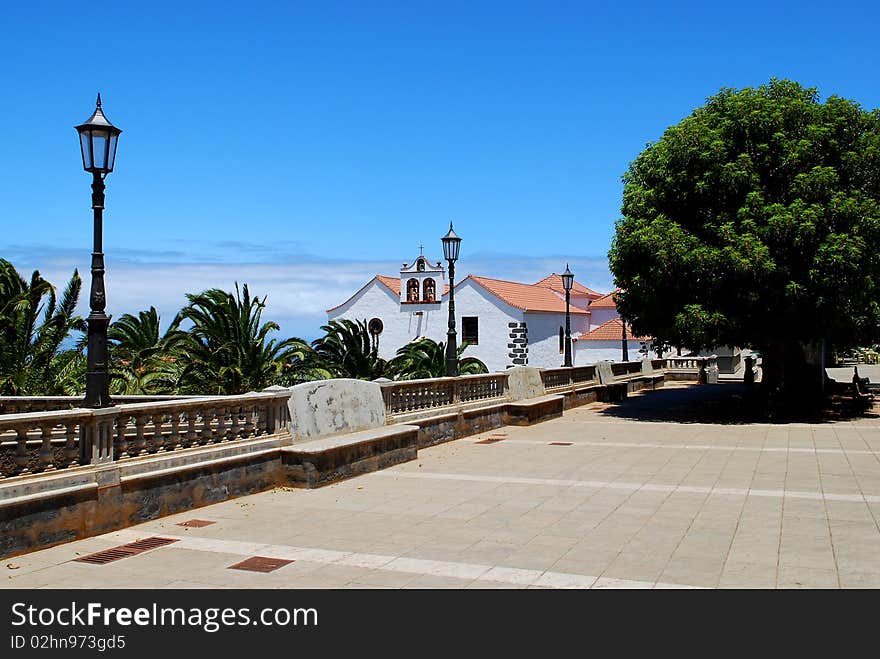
{"x":544,"y":337}
{"x":471,"y":299}
{"x":590,"y":352}
{"x":601,"y":316}
{"x":401,"y":327}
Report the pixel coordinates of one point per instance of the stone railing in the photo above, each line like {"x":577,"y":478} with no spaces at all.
{"x":22,"y":404}
{"x":405,"y":396}
{"x":684,"y":363}
{"x":36,"y":442}
{"x":623,"y":369}
{"x":561,"y":378}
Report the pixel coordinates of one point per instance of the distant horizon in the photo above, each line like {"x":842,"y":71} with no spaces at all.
{"x":292,"y":288}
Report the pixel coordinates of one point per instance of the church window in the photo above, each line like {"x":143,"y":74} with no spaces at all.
{"x":412,"y":290}
{"x":470,"y":332}
{"x":430,"y":290}
{"x":420,"y":265}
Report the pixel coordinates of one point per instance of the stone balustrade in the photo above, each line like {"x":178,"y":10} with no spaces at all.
{"x":684,"y":363}
{"x":562,"y":378}
{"x":35,"y":442}
{"x":405,"y":396}
{"x":22,"y":404}
{"x":45,"y":439}
{"x":624,"y":369}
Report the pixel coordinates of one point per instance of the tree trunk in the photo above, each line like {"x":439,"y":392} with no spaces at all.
{"x":792,"y":378}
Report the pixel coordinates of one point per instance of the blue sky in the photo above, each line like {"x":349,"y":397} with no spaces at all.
{"x":303,"y":147}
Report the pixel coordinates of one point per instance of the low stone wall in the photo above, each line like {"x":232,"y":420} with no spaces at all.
{"x":325,"y":461}
{"x":252,"y":447}
{"x":85,"y":501}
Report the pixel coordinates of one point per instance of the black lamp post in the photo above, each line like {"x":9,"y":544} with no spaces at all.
{"x":567,"y":283}
{"x":451,"y":247}
{"x":97,"y":140}
{"x":623,"y":344}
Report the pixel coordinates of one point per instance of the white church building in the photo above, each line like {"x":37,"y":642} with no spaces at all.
{"x":504,"y":323}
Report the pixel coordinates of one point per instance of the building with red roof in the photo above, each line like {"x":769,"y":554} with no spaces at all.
{"x":505,"y":323}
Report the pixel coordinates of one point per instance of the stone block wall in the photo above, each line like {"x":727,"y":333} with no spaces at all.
{"x":518,"y":343}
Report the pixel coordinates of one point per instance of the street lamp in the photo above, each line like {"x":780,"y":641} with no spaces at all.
{"x":451,"y":247}
{"x":567,"y":283}
{"x":97,"y":140}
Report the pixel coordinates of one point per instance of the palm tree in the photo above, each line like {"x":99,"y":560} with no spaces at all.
{"x":227,"y":350}
{"x":347,"y":351}
{"x":143,"y":360}
{"x":34,"y":324}
{"x":426,"y":358}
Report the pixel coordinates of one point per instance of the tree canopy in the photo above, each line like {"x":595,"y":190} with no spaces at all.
{"x":755,"y":222}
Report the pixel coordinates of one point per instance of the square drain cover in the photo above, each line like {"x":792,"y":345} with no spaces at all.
{"x":260,"y":564}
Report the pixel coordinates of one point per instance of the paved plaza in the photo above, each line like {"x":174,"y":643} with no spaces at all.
{"x":605,"y":497}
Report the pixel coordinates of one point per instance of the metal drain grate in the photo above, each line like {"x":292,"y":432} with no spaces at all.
{"x":561,"y":443}
{"x":107,"y":556}
{"x":196,"y":523}
{"x":260,"y":564}
{"x":150,"y":543}
{"x":124,"y":551}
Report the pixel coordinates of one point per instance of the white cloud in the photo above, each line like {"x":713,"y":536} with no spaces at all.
{"x":299,"y":287}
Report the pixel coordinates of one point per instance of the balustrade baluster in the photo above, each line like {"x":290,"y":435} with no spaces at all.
{"x":249,"y":422}
{"x":47,"y":459}
{"x":220,"y":430}
{"x":140,"y":440}
{"x":191,"y":434}
{"x":207,"y":432}
{"x":21,"y":457}
{"x":172,"y":443}
{"x":156,"y":439}
{"x":120,"y":450}
{"x":235,"y":430}
{"x":71,"y":452}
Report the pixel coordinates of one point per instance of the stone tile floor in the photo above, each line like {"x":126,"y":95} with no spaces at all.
{"x":631,"y":503}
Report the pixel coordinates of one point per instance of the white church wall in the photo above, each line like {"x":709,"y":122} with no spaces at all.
{"x":377,"y":301}
{"x":590,"y":352}
{"x":601,"y":316}
{"x":494,"y":315}
{"x":544,"y":337}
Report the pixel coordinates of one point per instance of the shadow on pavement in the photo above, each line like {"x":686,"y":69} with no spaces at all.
{"x":723,"y":403}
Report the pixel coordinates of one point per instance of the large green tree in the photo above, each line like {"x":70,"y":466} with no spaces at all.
{"x":755,"y":221}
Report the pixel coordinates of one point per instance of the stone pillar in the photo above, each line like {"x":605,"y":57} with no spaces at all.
{"x":712,"y":371}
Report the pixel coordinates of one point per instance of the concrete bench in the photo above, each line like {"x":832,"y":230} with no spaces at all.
{"x":326,"y":460}
{"x":534,"y":410}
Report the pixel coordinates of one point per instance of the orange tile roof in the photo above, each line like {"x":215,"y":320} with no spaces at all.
{"x":526,"y":297}
{"x":605,"y":302}
{"x":554,"y":282}
{"x":610,"y":331}
{"x":391,"y":282}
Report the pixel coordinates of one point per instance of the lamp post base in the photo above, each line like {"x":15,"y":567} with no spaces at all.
{"x":98,"y":375}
